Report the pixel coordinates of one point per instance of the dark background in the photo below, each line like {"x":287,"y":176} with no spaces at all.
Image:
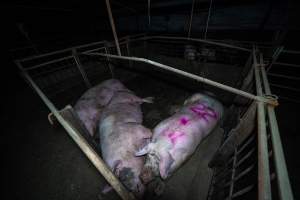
{"x":55,"y":24}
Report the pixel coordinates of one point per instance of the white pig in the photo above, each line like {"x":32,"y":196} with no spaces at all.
{"x":121,"y":135}
{"x":90,"y":104}
{"x":177,"y":137}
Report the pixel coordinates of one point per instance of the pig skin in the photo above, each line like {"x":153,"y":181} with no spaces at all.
{"x":121,"y":135}
{"x":90,"y":104}
{"x":177,"y":137}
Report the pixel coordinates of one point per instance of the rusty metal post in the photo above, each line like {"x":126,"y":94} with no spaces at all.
{"x":284,"y":186}
{"x":264,"y":185}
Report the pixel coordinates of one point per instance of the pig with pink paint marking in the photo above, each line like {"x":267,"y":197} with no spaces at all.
{"x":91,"y":103}
{"x":121,"y":135}
{"x":176,"y":138}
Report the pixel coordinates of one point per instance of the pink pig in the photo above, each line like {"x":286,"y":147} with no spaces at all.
{"x":91,"y":103}
{"x":177,"y":137}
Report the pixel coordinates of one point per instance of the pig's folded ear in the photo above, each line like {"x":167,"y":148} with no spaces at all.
{"x":142,"y":151}
{"x":165,"y":165}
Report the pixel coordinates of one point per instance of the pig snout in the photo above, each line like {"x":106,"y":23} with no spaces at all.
{"x":132,"y":182}
{"x":147,"y":175}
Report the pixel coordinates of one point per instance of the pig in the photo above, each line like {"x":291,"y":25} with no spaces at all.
{"x":176,"y":138}
{"x":90,"y":104}
{"x":121,"y":135}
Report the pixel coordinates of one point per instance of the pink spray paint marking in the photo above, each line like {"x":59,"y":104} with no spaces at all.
{"x":184,"y":121}
{"x":203,"y":112}
{"x":174,"y":136}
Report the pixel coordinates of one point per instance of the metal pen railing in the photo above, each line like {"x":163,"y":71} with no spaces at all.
{"x":264,"y":175}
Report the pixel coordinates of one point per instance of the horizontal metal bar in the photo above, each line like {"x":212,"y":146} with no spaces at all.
{"x":132,"y":36}
{"x":60,"y":51}
{"x":285,"y":191}
{"x":192,"y":76}
{"x":284,"y":76}
{"x":218,"y":175}
{"x":243,"y":173}
{"x":243,"y":191}
{"x":223,"y":173}
{"x":291,"y":51}
{"x":245,"y":157}
{"x":226,"y":170}
{"x":47,"y":63}
{"x":89,"y":51}
{"x":246,"y":144}
{"x":133,"y":40}
{"x":240,"y":175}
{"x":284,"y":87}
{"x":286,"y":64}
{"x":197,"y":40}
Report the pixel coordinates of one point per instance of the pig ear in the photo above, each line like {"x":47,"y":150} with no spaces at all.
{"x":142,"y":151}
{"x":165,"y":165}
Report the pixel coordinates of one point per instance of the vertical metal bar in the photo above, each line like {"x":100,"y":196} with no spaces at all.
{"x":110,"y":66}
{"x":275,"y":56}
{"x":208,"y":17}
{"x":264,"y":185}
{"x":149,"y":14}
{"x":233,"y":174}
{"x":80,"y":68}
{"x":284,"y":186}
{"x":81,"y":142}
{"x":112,"y":24}
{"x":191,"y":19}
{"x":128,"y":50}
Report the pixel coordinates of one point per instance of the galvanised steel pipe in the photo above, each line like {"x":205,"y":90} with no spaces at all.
{"x":284,"y":186}
{"x":113,"y":27}
{"x":192,"y":76}
{"x":264,"y":185}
